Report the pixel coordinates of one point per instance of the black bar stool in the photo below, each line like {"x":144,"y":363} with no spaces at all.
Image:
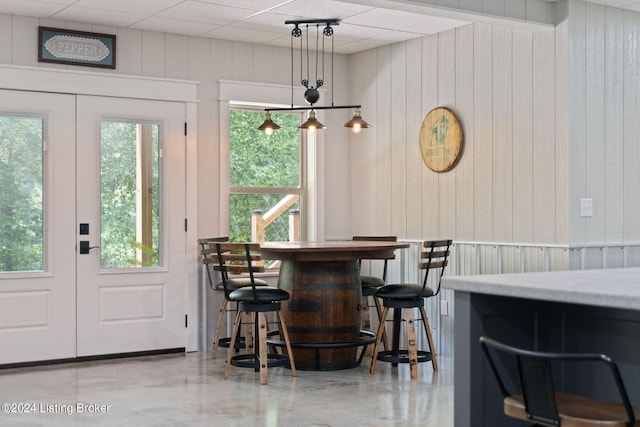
{"x":538,"y":401}
{"x":208,"y":258}
{"x":256,"y":300}
{"x":404,"y":298}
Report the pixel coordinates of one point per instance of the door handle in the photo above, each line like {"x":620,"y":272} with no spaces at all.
{"x":85,"y":248}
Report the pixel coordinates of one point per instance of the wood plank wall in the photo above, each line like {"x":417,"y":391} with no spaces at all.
{"x":604,"y":108}
{"x":510,"y":183}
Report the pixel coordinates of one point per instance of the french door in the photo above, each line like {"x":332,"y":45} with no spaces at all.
{"x":92,"y":246}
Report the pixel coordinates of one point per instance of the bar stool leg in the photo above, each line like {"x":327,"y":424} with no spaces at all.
{"x":379,"y":335}
{"x":285,"y":333}
{"x":397,"y":323}
{"x":412,"y":348}
{"x":249,"y":339}
{"x":232,"y":344}
{"x":221,"y":316}
{"x":385,"y":340}
{"x":432,"y":348}
{"x":366,"y":320}
{"x":262,"y":346}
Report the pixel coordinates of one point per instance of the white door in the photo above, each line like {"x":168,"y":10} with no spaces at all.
{"x":37,"y":227}
{"x":59,"y":179}
{"x":131,"y":285}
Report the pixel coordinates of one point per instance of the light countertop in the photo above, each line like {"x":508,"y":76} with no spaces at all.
{"x":615,"y":287}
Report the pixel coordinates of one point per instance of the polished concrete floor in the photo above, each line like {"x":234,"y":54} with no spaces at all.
{"x":189,"y":390}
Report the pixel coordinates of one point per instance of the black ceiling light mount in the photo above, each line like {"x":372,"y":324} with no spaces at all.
{"x":312,"y":93}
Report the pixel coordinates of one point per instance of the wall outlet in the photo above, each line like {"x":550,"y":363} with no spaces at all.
{"x":444,"y":308}
{"x":586,"y":207}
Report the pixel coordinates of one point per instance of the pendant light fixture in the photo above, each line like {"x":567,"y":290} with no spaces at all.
{"x":268,"y":126}
{"x":356,"y":123}
{"x":311,"y":124}
{"x":312,"y":94}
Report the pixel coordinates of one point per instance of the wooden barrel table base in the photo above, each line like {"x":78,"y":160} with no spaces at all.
{"x":323,"y":314}
{"x":323,"y":325}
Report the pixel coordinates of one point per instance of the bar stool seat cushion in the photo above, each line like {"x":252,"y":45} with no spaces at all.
{"x":576,"y":411}
{"x":264,"y":295}
{"x":404,"y":292}
{"x":239,"y":282}
{"x":371,"y":281}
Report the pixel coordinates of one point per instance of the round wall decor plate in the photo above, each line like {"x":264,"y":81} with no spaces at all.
{"x":440,"y":139}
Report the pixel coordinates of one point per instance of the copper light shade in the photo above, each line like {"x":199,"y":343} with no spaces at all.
{"x":312,"y":123}
{"x":357,"y":123}
{"x":268,"y":126}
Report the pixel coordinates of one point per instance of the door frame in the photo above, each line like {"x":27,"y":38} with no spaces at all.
{"x":134,"y":87}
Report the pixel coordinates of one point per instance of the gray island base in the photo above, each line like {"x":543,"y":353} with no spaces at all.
{"x":595,"y":311}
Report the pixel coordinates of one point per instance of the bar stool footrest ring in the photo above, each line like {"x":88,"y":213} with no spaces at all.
{"x":252,"y":360}
{"x":402,"y":356}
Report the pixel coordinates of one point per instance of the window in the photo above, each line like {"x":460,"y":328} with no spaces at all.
{"x":22,"y":206}
{"x":265,"y":175}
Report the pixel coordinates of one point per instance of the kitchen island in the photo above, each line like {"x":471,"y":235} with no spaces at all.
{"x":566,"y":311}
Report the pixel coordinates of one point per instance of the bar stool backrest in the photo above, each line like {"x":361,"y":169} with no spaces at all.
{"x":434,"y":256}
{"x":208,"y":258}
{"x":237,"y":258}
{"x":379,"y":239}
{"x":535,"y":377}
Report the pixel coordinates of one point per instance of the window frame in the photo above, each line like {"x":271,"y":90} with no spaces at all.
{"x":300,"y":190}
{"x":261,"y":96}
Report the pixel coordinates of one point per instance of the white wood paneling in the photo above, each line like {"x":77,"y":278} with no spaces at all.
{"x":483,"y":133}
{"x":398,"y":196}
{"x":129,"y":51}
{"x":177,"y":56}
{"x":153,"y":54}
{"x":363,"y":148}
{"x":464,"y":107}
{"x":414,"y":160}
{"x":595,"y":108}
{"x":631,"y":148}
{"x":383,"y":117}
{"x":502,"y":134}
{"x":544,"y":161}
{"x":577,"y":112}
{"x":603,"y":128}
{"x":613,"y":208}
{"x":430,"y":187}
{"x":522,"y":136}
{"x":562,"y":128}
{"x":446,"y":97}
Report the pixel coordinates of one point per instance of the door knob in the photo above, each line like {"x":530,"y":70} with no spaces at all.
{"x":85,"y":248}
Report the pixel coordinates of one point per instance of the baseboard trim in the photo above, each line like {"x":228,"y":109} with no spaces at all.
{"x":93,"y":358}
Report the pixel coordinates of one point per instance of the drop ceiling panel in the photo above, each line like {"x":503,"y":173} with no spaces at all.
{"x":320,"y":8}
{"x":175,"y":26}
{"x":29,"y":8}
{"x":147,"y":7}
{"x":103,"y":17}
{"x":205,"y":12}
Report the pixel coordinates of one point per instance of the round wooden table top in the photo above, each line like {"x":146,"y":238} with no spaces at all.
{"x":337,"y":250}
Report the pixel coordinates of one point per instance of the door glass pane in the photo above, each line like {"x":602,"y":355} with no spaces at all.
{"x":22,"y":201}
{"x":129,"y":194}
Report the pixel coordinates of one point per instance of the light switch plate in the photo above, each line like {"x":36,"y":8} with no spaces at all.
{"x":586,"y":207}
